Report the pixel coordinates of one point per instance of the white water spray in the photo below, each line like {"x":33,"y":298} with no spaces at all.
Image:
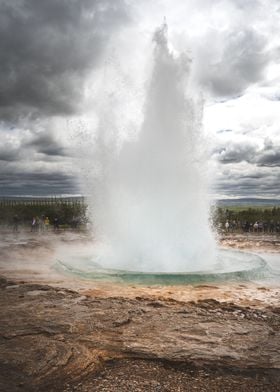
{"x":149,"y":203}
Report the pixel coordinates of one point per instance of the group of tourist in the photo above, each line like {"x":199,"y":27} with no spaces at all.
{"x":270,"y":227}
{"x":38,"y":224}
{"x":41,"y":224}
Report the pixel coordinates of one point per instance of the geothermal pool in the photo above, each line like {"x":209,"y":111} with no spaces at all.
{"x":231,"y":265}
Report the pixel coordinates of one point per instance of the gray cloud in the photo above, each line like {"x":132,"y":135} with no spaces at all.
{"x":36,"y":183}
{"x":236,"y":152}
{"x":269,"y":159}
{"x":262,"y":183}
{"x":268,"y":156}
{"x":27,"y":147}
{"x":246,"y":5}
{"x":248,"y":170}
{"x":224,"y":131}
{"x":8,"y":154}
{"x":45,"y":143}
{"x":243,"y":62}
{"x":227,"y":72}
{"x":47,"y":47}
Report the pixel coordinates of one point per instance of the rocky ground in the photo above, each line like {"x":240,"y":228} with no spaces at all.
{"x":60,"y":334}
{"x":249,"y":241}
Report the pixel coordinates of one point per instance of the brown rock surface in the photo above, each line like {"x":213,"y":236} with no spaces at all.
{"x":54,"y":339}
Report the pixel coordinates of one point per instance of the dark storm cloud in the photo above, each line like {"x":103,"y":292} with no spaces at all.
{"x":8,"y":154}
{"x":46,"y":49}
{"x":252,"y":183}
{"x":45,"y":143}
{"x":36,"y":184}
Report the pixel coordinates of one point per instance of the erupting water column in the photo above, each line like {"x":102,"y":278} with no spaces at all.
{"x":149,"y":201}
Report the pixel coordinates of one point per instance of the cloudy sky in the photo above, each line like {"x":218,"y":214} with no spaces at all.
{"x":59,"y":56}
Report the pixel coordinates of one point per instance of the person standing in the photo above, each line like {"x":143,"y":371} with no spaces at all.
{"x":15,"y":223}
{"x":47,"y":223}
{"x":56,"y":224}
{"x":33,"y":224}
{"x":227,"y":226}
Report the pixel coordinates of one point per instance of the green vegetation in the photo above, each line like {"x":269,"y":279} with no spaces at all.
{"x":247,"y":207}
{"x":69,"y":214}
{"x":73,"y":213}
{"x":268,"y":217}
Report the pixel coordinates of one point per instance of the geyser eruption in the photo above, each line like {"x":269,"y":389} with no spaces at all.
{"x":149,"y":203}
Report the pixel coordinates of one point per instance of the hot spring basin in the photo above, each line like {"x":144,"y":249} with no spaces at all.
{"x":231,"y":265}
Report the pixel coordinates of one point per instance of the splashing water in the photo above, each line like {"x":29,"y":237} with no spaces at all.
{"x":149,"y":203}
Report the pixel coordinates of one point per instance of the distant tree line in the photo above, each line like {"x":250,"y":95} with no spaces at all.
{"x":67,"y":212}
{"x":266,"y":220}
{"x":73,"y":213}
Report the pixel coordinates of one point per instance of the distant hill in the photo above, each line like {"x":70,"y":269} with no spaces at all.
{"x":42,"y":198}
{"x":246,"y":201}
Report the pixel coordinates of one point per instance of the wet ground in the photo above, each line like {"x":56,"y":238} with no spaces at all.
{"x":61,"y":333}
